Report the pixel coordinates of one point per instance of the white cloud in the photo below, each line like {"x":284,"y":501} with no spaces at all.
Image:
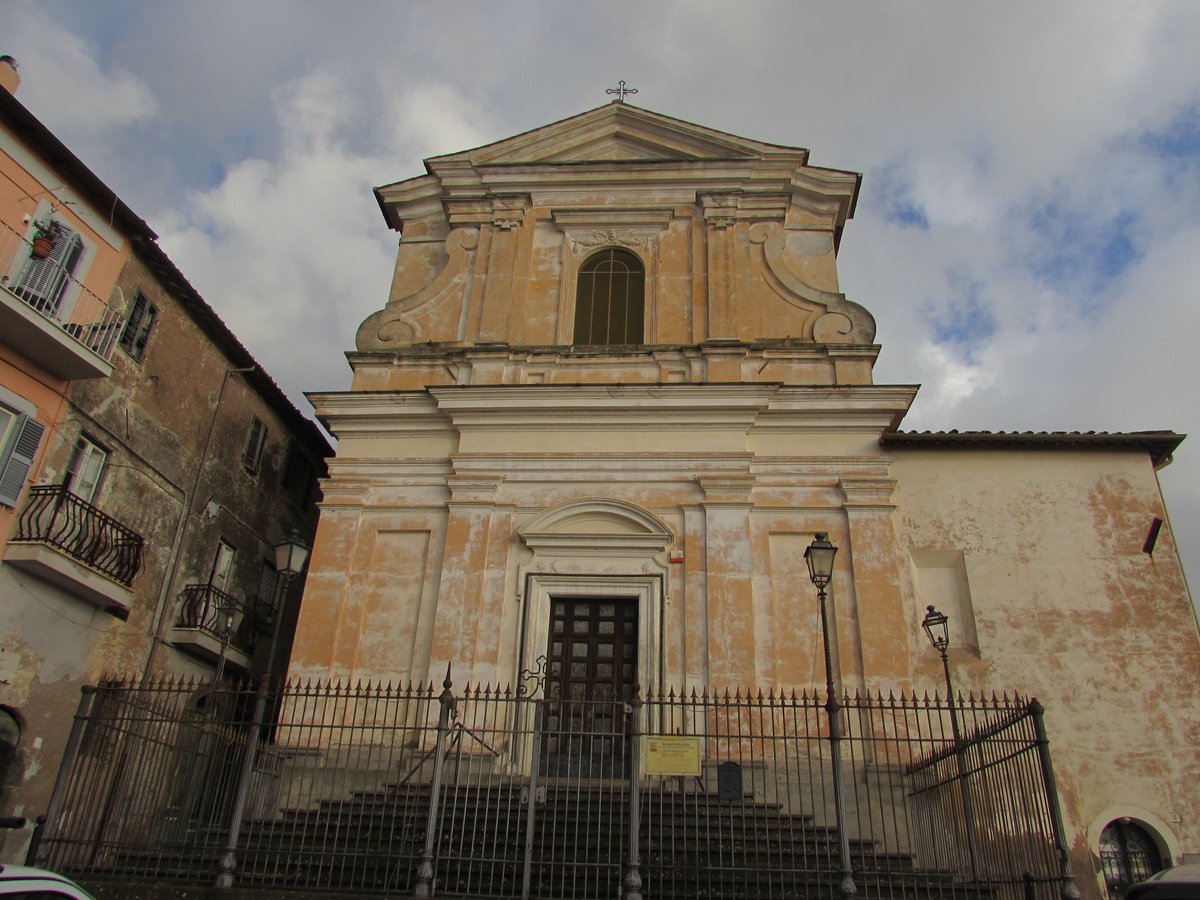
{"x":430,"y":119}
{"x":1014,"y":130}
{"x":292,"y":252}
{"x":59,"y":72}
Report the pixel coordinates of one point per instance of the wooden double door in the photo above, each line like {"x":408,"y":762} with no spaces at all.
{"x":591,"y":674}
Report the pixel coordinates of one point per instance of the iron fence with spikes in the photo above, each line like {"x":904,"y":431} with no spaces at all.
{"x":500,"y":792}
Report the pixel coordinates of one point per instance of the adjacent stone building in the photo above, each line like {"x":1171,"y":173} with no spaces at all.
{"x":615,"y":369}
{"x":147,"y":463}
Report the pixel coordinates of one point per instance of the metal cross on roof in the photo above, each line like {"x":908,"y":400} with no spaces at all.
{"x":621,"y":91}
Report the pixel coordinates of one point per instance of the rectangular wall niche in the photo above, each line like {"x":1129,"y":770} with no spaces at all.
{"x":941,"y":580}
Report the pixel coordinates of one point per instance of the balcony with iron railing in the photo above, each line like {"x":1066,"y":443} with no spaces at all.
{"x":213,"y":623}
{"x":68,"y":542}
{"x":51,"y":316}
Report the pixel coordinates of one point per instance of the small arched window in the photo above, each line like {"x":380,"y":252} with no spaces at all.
{"x":610,"y":302}
{"x":1128,"y":855}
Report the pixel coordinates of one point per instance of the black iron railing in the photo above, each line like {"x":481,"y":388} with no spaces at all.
{"x":221,"y":615}
{"x":52,"y":290}
{"x":412,"y":791}
{"x":56,"y":517}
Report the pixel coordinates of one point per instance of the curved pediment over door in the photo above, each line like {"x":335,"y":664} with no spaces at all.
{"x":596,"y":527}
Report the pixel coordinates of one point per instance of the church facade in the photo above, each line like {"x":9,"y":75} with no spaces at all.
{"x":616,"y":391}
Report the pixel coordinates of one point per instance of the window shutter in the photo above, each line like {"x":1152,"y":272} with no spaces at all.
{"x":20,"y":460}
{"x":254,"y":444}
{"x":137,"y":328}
{"x":44,"y":281}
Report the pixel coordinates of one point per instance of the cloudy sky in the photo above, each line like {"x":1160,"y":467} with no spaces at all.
{"x":1028,"y":237}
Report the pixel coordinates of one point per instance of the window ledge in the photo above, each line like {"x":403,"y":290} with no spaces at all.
{"x":203,"y":645}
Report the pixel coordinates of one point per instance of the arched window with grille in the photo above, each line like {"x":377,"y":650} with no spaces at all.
{"x":610,"y":302}
{"x":1128,"y":855}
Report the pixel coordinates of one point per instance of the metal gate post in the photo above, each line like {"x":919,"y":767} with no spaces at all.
{"x":1070,"y":891}
{"x":847,"y":887}
{"x":632,"y":882}
{"x":531,"y":812}
{"x":46,"y":822}
{"x":424,"y":882}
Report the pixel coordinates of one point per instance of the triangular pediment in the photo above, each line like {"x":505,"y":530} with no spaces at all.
{"x":620,"y":132}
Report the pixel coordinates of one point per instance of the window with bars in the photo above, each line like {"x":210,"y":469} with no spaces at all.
{"x":610,"y":299}
{"x":256,"y":438}
{"x":136,"y":334}
{"x":264,"y":593}
{"x":1128,"y":854}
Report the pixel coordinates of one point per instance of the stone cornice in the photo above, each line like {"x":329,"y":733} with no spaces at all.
{"x":582,"y":407}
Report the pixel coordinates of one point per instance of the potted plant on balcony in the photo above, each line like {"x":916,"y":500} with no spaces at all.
{"x":43,"y":238}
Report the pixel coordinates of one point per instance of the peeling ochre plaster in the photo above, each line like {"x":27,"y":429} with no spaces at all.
{"x":748,"y":423}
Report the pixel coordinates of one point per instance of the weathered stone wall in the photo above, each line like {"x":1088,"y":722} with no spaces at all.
{"x":1037,"y":557}
{"x":154,"y":417}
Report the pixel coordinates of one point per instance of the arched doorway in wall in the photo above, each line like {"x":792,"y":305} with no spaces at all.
{"x":1128,"y":854}
{"x":10,"y":738}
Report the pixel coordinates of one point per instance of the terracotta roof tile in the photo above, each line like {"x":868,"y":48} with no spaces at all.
{"x":1159,"y":444}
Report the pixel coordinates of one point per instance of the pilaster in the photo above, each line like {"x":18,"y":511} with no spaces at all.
{"x":720,"y":212}
{"x":465,"y":607}
{"x":882,"y":613}
{"x":733,"y":639}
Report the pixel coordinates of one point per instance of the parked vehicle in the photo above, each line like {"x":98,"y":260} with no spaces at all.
{"x":1177,"y":883}
{"x":24,"y":881}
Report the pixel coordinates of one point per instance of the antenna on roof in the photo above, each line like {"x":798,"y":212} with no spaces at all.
{"x":620,"y":90}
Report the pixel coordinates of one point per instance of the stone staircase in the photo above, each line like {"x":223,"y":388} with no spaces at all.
{"x":692,"y":845}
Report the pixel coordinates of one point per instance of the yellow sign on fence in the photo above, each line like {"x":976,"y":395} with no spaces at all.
{"x":672,"y":755}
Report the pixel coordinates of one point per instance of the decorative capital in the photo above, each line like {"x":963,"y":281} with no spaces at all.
{"x":732,"y":488}
{"x":868,"y":492}
{"x":474,"y":488}
{"x":508,"y":212}
{"x":720,"y":210}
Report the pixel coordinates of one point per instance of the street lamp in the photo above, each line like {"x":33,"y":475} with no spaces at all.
{"x":819,"y":555}
{"x":936,"y":626}
{"x":290,"y":556}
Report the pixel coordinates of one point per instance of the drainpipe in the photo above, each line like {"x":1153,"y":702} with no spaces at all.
{"x":181,"y":529}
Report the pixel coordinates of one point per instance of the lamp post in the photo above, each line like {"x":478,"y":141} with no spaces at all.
{"x":936,"y":626}
{"x":290,"y":556}
{"x":819,"y":555}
